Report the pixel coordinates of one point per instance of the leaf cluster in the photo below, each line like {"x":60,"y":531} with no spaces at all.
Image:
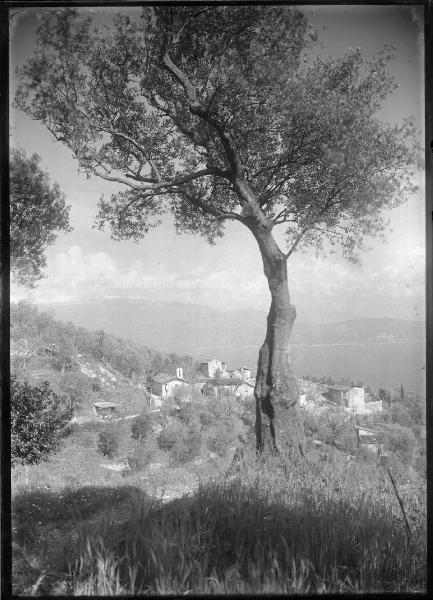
{"x":38,"y":211}
{"x":38,"y":419}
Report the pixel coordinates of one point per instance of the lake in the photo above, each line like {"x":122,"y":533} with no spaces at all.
{"x":387,"y":364}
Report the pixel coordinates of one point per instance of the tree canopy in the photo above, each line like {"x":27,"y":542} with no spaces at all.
{"x":37,"y":211}
{"x":215,"y":113}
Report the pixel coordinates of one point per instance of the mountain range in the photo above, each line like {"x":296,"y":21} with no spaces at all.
{"x":191,"y":328}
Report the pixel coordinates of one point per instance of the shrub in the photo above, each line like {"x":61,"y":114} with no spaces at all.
{"x":38,"y":421}
{"x":187,"y":445}
{"x":219,"y":440}
{"x":96,"y":385}
{"x":141,"y":427}
{"x":402,"y":442}
{"x":168,"y":436}
{"x":75,"y":386}
{"x":198,"y":411}
{"x":108,"y":443}
{"x":141,"y":456}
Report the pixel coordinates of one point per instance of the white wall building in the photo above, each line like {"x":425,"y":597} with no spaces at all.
{"x":212,"y":367}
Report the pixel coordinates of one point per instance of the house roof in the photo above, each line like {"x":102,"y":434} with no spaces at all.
{"x":339,"y":388}
{"x":105,"y":405}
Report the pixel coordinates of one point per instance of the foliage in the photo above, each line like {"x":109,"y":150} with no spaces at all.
{"x":37,"y":212}
{"x":108,"y":443}
{"x":188,"y":443}
{"x":76,"y":386}
{"x":204,"y":111}
{"x":141,"y":456}
{"x":219,"y":439}
{"x":182,"y":440}
{"x":409,"y":412}
{"x":401,"y":441}
{"x":38,"y":420}
{"x":168,"y":435}
{"x":142,"y":426}
{"x":333,"y":429}
{"x":63,"y":356}
{"x":66,"y":340}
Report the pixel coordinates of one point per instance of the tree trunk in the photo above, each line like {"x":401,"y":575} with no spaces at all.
{"x":276,"y":391}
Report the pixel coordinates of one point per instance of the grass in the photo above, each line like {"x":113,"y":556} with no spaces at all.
{"x":279,"y":525}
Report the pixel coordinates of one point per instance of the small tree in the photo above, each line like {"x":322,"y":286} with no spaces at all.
{"x":188,"y":443}
{"x":141,"y":427}
{"x":402,"y":442}
{"x":38,"y":419}
{"x":108,"y":443}
{"x":76,"y":387}
{"x":37,"y":211}
{"x":141,"y":456}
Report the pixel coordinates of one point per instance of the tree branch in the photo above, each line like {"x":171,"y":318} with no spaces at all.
{"x":161,"y":185}
{"x":195,"y":107}
{"x":210,"y":209}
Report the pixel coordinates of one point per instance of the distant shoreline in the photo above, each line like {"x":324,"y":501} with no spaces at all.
{"x":293,"y":345}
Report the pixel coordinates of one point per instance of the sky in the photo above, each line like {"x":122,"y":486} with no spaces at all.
{"x":86,"y":264}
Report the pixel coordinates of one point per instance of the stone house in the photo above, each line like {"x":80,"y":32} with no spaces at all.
{"x":105,"y":410}
{"x":348,"y":396}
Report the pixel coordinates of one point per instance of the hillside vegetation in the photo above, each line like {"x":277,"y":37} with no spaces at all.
{"x":177,"y":501}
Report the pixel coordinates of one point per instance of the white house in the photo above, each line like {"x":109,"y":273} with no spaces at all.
{"x":164,"y":385}
{"x":212,"y":367}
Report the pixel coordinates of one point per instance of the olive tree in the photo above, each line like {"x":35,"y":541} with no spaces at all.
{"x":218,"y":114}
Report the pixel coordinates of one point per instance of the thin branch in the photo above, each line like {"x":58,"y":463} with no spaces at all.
{"x":162,"y":184}
{"x":210,"y":209}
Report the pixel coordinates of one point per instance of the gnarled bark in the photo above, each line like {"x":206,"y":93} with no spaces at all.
{"x":276,"y":389}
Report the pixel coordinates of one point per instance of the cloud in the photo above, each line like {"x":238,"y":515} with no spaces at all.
{"x":76,"y":276}
{"x":321,"y":289}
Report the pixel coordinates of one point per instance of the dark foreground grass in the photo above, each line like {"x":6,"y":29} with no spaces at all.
{"x":282,"y":526}
{"x":234,"y":539}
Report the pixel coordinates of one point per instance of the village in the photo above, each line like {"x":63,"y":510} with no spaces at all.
{"x":215,"y":380}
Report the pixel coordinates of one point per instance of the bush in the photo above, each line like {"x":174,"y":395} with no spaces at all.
{"x":38,"y":421}
{"x":108,"y":443}
{"x":141,"y":456}
{"x":219,"y":440}
{"x":187,"y":445}
{"x":141,"y":427}
{"x":96,"y":385}
{"x":402,"y":442}
{"x":168,"y":436}
{"x":75,"y":386}
{"x":198,"y":411}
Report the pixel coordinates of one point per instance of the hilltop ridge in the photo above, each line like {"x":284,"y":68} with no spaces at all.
{"x":184,"y":327}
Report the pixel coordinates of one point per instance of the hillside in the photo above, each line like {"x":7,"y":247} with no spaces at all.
{"x":183,"y":485}
{"x":84,"y":365}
